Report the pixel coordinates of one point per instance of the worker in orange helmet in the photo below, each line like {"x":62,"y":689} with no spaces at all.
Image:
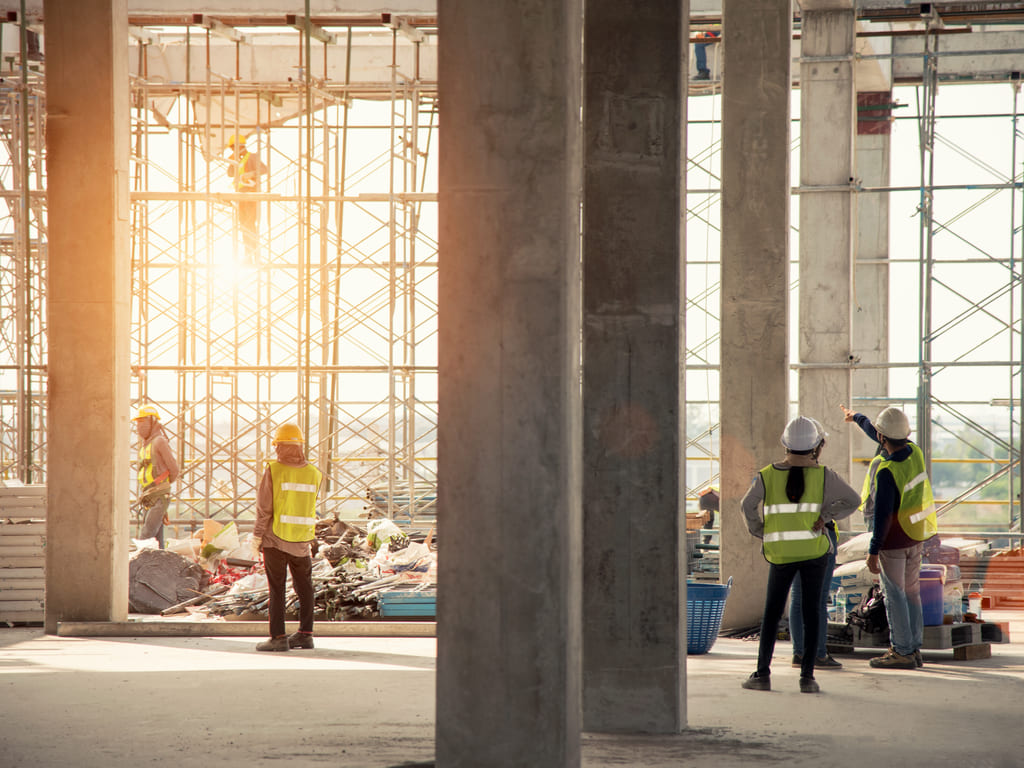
{"x":157,"y":470}
{"x":285,"y":527}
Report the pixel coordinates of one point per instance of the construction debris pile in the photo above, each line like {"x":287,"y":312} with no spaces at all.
{"x":352,"y":569}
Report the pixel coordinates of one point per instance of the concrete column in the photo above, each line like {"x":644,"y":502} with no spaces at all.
{"x":634,"y":561}
{"x":755,"y":276}
{"x":827,"y":118}
{"x":88,"y":294}
{"x":509,"y":649}
{"x":871,"y":271}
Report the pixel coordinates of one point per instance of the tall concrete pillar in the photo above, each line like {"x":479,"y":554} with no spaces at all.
{"x":88,"y":294}
{"x":827,"y":120}
{"x":871,"y":271}
{"x":509,"y":610}
{"x":755,"y":276}
{"x":634,"y":561}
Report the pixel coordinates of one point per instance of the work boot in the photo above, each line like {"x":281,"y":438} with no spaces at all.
{"x":703,"y":74}
{"x":755,"y":683}
{"x":918,"y":661}
{"x":809,"y":685}
{"x":798,"y":659}
{"x":279,"y":643}
{"x":892,"y":660}
{"x":300,"y":640}
{"x":827,"y":662}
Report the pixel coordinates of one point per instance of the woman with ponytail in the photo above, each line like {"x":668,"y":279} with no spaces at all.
{"x":788,"y":506}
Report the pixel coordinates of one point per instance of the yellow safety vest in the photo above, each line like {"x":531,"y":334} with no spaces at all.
{"x":917,"y":504}
{"x":788,"y":528}
{"x":867,"y":500}
{"x":240,"y":171}
{"x":294,"y":501}
{"x":146,"y":477}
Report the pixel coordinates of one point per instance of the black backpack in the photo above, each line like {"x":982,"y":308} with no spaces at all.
{"x":869,"y":615}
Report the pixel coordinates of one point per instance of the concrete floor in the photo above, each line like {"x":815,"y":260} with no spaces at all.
{"x":369,"y":703}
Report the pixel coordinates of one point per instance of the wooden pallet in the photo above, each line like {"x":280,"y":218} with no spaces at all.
{"x":22,"y":553}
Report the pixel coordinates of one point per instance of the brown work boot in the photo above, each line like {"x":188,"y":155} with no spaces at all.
{"x":302,"y":640}
{"x":892,"y":660}
{"x":274,"y":644}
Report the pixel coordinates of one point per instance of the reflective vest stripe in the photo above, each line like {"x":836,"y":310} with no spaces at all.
{"x":791,"y":536}
{"x":300,"y":487}
{"x":789,"y":509}
{"x":294,"y":520}
{"x":918,"y":517}
{"x":915,"y":482}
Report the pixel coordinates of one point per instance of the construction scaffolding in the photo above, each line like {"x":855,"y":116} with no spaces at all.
{"x":324,"y":313}
{"x":330,"y":318}
{"x":955,"y":351}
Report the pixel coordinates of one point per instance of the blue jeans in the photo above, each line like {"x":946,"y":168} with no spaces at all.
{"x":701,"y":55}
{"x":796,"y":604}
{"x":901,"y":582}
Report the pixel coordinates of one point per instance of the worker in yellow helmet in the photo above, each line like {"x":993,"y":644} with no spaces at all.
{"x":157,"y":470}
{"x":285,"y":526}
{"x":246,"y":170}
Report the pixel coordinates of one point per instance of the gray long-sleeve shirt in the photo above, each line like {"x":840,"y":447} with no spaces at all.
{"x":840,"y":500}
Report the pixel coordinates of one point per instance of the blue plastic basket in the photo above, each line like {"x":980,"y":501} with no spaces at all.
{"x":704,"y":606}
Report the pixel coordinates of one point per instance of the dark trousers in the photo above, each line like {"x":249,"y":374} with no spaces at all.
{"x":780,"y":579}
{"x":277,"y":564}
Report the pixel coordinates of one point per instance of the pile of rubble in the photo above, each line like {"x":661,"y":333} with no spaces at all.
{"x":212,"y":574}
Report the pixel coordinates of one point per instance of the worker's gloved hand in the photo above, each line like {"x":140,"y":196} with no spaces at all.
{"x":256,"y":544}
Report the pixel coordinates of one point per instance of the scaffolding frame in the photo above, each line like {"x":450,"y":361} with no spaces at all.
{"x":334,"y":328}
{"x":999,"y":454}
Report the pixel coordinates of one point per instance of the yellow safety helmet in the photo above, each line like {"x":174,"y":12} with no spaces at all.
{"x":236,"y":139}
{"x":147,"y":411}
{"x":288,"y":433}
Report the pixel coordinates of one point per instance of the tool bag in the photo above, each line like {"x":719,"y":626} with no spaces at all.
{"x":869,"y":615}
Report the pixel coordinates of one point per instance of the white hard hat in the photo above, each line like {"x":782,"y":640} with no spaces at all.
{"x":800,"y":435}
{"x":893,"y":423}
{"x":822,"y":434}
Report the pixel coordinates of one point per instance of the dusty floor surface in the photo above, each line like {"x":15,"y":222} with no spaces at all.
{"x":369,"y":703}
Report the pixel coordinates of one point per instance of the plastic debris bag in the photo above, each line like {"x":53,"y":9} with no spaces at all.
{"x":381,"y":531}
{"x":225,"y":539}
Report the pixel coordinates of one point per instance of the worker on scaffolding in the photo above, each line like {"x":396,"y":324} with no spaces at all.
{"x":157,"y":470}
{"x":246,"y":170}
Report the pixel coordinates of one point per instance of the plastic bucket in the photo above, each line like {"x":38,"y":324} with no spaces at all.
{"x":704,"y":606}
{"x":931,"y":596}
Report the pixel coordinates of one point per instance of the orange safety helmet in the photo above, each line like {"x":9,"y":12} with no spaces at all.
{"x":147,"y":411}
{"x":288,"y":433}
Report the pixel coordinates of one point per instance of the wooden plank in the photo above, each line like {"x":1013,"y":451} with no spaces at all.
{"x":12,"y":485}
{"x":11,"y":551}
{"x":36,"y":572}
{"x":22,"y":617}
{"x":24,"y":562}
{"x":37,"y":584}
{"x":16,"y":595}
{"x":8,"y":606}
{"x":22,"y":529}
